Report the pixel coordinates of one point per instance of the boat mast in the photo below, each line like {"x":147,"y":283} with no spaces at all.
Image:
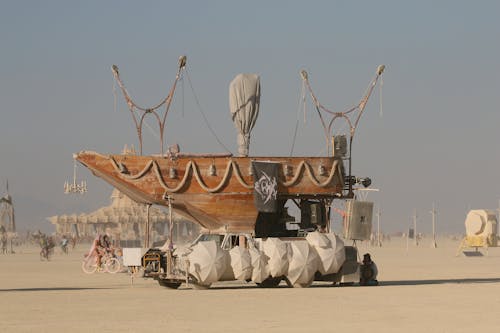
{"x":346,"y":115}
{"x":153,"y":110}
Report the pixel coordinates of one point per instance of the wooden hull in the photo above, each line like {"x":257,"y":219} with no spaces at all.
{"x":214,"y":191}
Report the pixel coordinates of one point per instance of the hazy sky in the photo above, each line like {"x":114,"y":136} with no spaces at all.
{"x":436,"y":141}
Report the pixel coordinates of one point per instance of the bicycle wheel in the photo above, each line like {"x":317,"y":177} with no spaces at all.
{"x":89,"y":265}
{"x":113,"y":265}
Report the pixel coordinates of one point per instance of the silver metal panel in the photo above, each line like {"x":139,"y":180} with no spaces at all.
{"x":359,"y":220}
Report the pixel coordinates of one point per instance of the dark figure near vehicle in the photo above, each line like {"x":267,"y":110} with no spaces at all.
{"x":368,"y":272}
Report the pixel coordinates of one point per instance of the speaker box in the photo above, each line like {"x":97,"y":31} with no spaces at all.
{"x":312,"y":213}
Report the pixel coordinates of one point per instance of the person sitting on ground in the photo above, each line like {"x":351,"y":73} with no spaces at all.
{"x":368,"y":272}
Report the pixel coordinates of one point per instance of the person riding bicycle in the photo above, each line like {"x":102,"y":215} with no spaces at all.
{"x":46,"y":245}
{"x":64,"y":244}
{"x":100,"y":247}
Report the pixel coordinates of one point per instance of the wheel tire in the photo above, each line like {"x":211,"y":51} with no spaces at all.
{"x":169,"y":284}
{"x":270,"y":282}
{"x":89,"y":265}
{"x":113,"y":265}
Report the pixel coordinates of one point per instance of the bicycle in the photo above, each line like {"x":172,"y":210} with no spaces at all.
{"x":108,"y":264}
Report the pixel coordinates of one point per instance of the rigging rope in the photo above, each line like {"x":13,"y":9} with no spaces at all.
{"x":114,"y":95}
{"x":204,"y":116}
{"x":302,"y":101}
{"x":380,"y":95}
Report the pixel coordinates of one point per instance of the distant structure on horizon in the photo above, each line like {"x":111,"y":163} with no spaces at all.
{"x":7,"y":216}
{"x":124,"y":220}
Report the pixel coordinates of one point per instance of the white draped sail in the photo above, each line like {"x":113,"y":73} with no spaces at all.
{"x":244,"y":101}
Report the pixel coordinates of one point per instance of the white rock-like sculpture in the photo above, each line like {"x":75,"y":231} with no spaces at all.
{"x":207,"y":262}
{"x":278,"y":252}
{"x":303,"y":264}
{"x":328,"y":263}
{"x":339,"y":252}
{"x":260,"y":267}
{"x":240,"y":263}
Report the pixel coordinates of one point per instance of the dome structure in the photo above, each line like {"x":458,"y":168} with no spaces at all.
{"x":124,"y":219}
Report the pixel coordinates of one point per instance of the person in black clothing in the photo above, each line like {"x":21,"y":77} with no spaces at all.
{"x":368,"y":272}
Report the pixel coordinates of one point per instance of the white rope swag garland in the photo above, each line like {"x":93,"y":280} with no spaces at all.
{"x":231,"y":165}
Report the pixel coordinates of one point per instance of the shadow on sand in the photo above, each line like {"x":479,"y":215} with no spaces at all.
{"x":438,"y":281}
{"x":49,"y":289}
{"x":381,"y":284}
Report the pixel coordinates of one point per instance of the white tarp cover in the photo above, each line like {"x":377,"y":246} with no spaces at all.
{"x":260,"y":267}
{"x":278,"y":252}
{"x":244,"y":101}
{"x":303,"y":264}
{"x":240,"y":263}
{"x":207,"y":262}
{"x":339,"y":250}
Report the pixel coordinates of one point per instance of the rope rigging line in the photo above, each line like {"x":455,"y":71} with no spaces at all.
{"x":380,"y":95}
{"x":204,"y":116}
{"x":302,"y":101}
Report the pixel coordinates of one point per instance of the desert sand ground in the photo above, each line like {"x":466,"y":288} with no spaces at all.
{"x":421,"y":289}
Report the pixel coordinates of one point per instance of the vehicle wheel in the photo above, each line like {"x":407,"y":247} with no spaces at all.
{"x":201,"y":286}
{"x":169,"y":284}
{"x":270,"y":282}
{"x":89,"y":266}
{"x":113,"y":265}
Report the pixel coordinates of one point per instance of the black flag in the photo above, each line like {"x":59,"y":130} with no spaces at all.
{"x":265,"y":193}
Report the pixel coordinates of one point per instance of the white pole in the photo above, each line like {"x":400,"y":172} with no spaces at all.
{"x":147,"y":240}
{"x":379,"y":243}
{"x":407,"y":239}
{"x":498,"y":219}
{"x":415,"y":227}
{"x":434,"y":213}
{"x":170,"y":223}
